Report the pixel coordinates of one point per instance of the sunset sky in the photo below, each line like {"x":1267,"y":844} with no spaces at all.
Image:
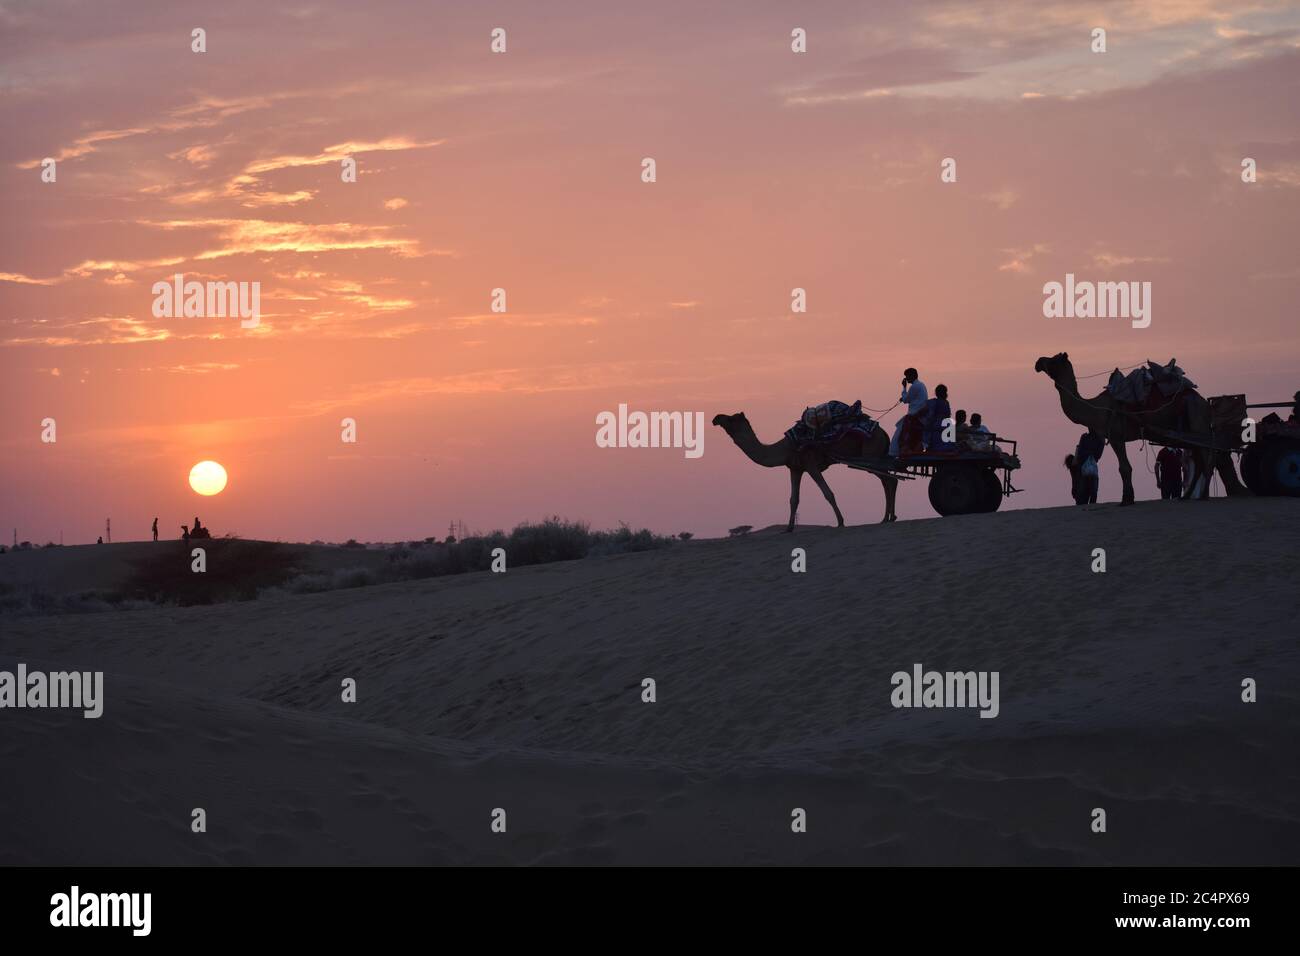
{"x":522,"y":171}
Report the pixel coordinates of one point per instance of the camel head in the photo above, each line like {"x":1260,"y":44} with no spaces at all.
{"x":728,"y":423}
{"x":1054,"y":366}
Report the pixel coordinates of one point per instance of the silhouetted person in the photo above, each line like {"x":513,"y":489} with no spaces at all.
{"x":1088,"y":454}
{"x":197,"y":527}
{"x":977,"y":436}
{"x":101,"y":540}
{"x":937,"y":410}
{"x":185,"y":532}
{"x":1076,"y":479}
{"x":914,"y":396}
{"x":155,"y":529}
{"x":1169,"y":473}
{"x":1295,"y":409}
{"x":963,"y":429}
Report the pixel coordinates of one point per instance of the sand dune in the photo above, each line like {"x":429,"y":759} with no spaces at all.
{"x":523,"y":691}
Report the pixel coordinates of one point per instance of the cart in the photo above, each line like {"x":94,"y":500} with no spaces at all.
{"x":1269,"y":465}
{"x":962,"y":481}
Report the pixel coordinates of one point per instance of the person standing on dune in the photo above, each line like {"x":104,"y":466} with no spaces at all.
{"x":1169,"y":473}
{"x":1087,"y":454}
{"x":1076,"y":480}
{"x":155,"y":529}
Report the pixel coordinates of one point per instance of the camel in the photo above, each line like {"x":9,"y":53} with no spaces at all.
{"x":813,"y":459}
{"x":1104,"y":416}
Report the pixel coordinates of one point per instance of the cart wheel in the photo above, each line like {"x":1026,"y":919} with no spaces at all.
{"x":992,"y":490}
{"x":1281,"y":467}
{"x":957,"y":490}
{"x":1252,"y":470}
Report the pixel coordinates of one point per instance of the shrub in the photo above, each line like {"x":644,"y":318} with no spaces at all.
{"x":236,"y":571}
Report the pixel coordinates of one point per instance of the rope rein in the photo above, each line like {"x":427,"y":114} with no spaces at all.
{"x":1127,"y":368}
{"x":884,"y":411}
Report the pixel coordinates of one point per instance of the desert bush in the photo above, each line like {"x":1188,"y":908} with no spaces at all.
{"x":236,"y":571}
{"x":28,"y":601}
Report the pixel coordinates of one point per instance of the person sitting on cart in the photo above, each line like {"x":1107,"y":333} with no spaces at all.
{"x":915,"y":395}
{"x":937,"y":413}
{"x":977,"y":435}
{"x":1295,"y":411}
{"x":963,"y":429}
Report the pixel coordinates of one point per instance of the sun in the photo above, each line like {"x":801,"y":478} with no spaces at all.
{"x":208,"y":478}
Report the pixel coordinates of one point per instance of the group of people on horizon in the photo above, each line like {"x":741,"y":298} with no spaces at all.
{"x":1173,"y":470}
{"x":928,"y":418}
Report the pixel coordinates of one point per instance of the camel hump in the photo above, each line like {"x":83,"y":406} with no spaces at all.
{"x":1137,"y":387}
{"x":833,"y":412}
{"x":829,"y":421}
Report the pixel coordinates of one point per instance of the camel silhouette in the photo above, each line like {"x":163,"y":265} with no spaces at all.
{"x":1120,"y":424}
{"x":813,"y":459}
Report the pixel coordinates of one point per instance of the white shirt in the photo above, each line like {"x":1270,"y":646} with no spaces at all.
{"x":916,"y":396}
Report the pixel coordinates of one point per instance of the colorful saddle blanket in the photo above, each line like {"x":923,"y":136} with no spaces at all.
{"x":829,"y":422}
{"x":1136,"y":387}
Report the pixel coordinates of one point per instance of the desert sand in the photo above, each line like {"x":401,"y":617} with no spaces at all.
{"x":523,"y":691}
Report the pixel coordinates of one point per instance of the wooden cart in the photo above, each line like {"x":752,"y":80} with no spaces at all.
{"x":961,"y":482}
{"x":1270,"y":465}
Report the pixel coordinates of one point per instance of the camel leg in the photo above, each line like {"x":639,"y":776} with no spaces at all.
{"x":1203,"y":471}
{"x":796,"y":477}
{"x":1125,"y":470}
{"x":1206,"y":476}
{"x":830,"y":496}
{"x":890,"y":485}
{"x":1191,"y":462}
{"x":1232,"y":485}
